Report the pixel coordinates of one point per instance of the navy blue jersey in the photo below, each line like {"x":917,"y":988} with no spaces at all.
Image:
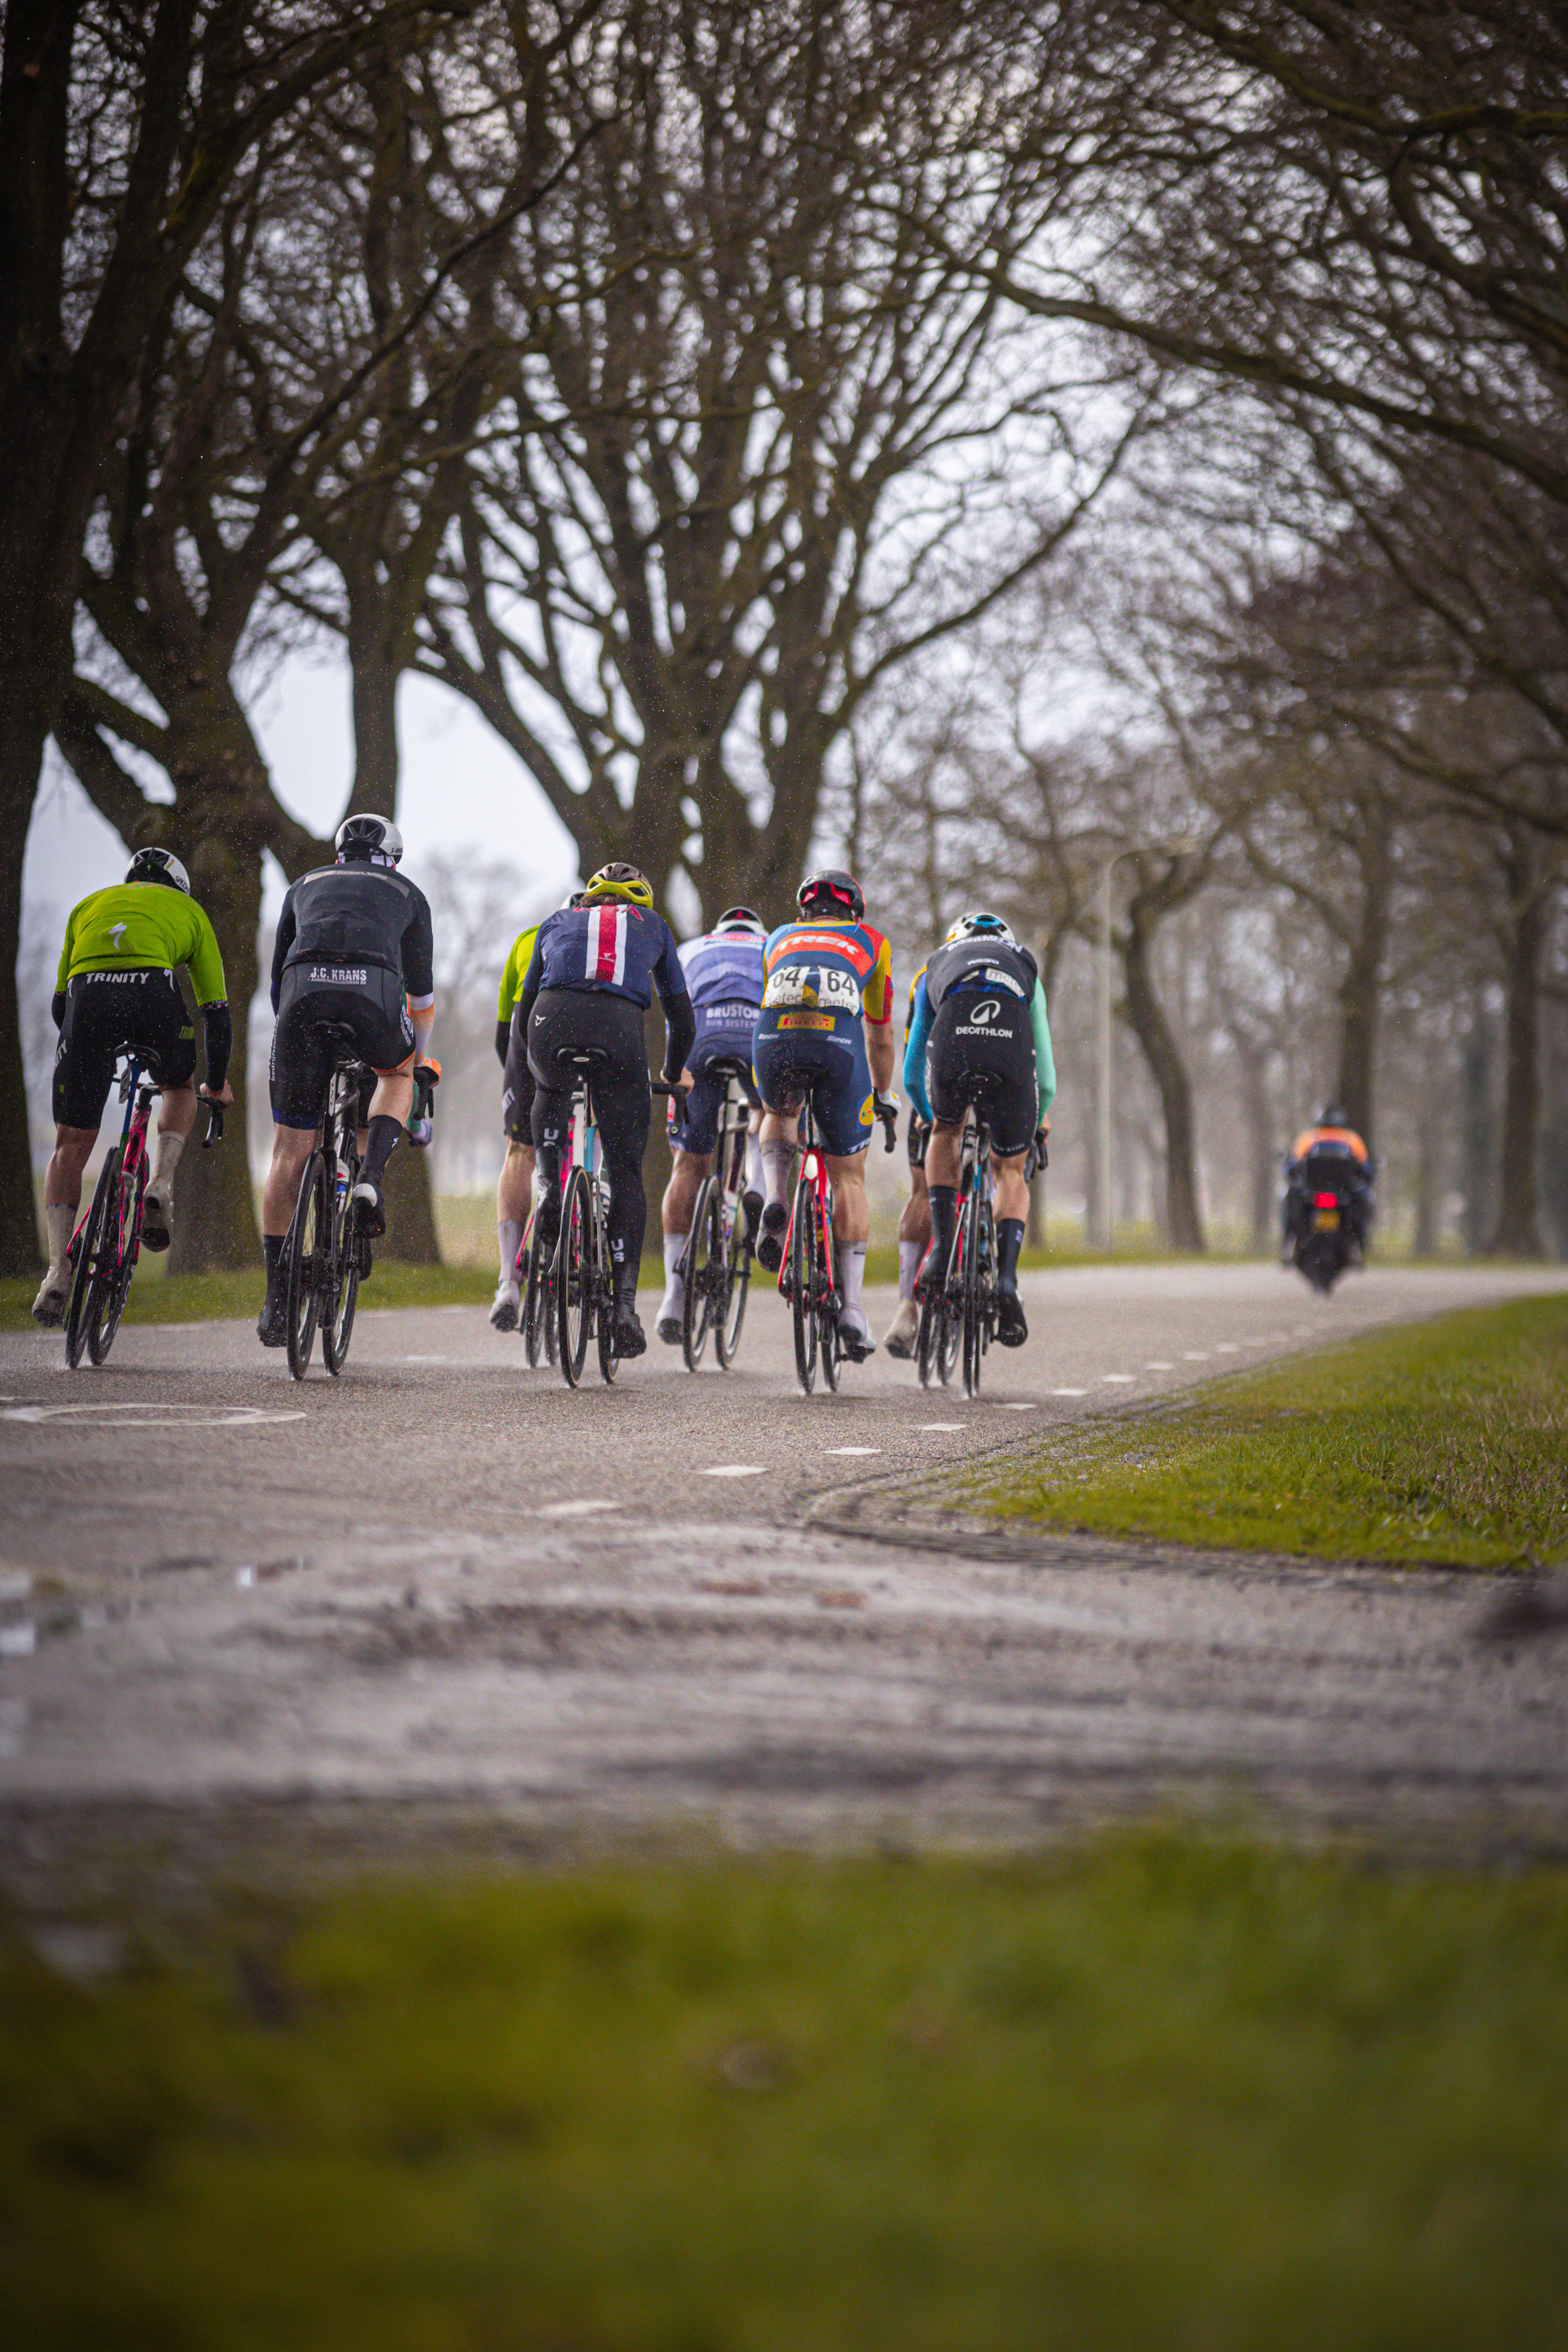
{"x":624,"y":949}
{"x":725,"y":968}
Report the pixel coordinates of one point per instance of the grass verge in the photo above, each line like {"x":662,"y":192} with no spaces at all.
{"x":1170,"y":2090}
{"x":1446,"y":1444}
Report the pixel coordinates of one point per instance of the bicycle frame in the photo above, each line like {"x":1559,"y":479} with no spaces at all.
{"x":716,"y":1268}
{"x":815,"y":1317}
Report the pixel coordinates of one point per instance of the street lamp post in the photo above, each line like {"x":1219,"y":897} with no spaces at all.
{"x":1181,"y":846}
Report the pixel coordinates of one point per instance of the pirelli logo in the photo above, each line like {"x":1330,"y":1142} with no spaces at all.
{"x":805,"y":1020}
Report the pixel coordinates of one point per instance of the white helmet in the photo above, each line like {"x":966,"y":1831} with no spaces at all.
{"x":374,"y":837}
{"x":741,"y":919}
{"x":980,"y":926}
{"x":159,"y":866}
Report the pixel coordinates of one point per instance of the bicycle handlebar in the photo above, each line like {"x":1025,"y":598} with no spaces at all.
{"x":212,"y":1133}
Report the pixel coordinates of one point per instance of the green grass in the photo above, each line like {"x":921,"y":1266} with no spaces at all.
{"x":1169,"y":2092}
{"x":1446,"y":1442}
{"x":158,"y":1298}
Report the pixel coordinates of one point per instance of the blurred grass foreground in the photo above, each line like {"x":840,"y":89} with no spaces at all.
{"x":1169,"y":2091}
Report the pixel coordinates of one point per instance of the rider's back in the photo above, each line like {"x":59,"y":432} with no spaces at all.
{"x":724,"y":967}
{"x":981,"y":963}
{"x":135,"y":925}
{"x":359,"y":913}
{"x":610,"y":946}
{"x":827,"y":971}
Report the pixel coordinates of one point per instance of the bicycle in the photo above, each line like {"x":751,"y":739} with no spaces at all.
{"x":958,"y":1306}
{"x":108,"y":1241}
{"x":583,"y":1272}
{"x":808,"y":1278}
{"x":717,"y":1267}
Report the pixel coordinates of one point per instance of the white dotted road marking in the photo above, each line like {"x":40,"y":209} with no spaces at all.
{"x":1119,"y":1379}
{"x":1195,"y":1355}
{"x":18,"y":1640}
{"x":1158,"y":1364}
{"x":1007,"y":1406}
{"x":1227,"y":1348}
{"x":941,"y":1424}
{"x":578,"y":1510}
{"x":736,"y":1470}
{"x":1066,"y":1392}
{"x":149,"y":1416}
{"x":427,"y":1359}
{"x":852,"y":1449}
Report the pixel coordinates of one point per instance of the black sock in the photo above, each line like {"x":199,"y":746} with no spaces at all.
{"x":943,"y":1210}
{"x":1009,"y":1241}
{"x":272,"y":1249}
{"x":383,"y":1133}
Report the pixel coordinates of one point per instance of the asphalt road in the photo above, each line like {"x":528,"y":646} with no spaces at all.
{"x":445,"y":1580}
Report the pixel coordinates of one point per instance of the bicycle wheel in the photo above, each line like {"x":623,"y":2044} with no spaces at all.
{"x":702,"y":1308}
{"x":928,"y":1333}
{"x":950,"y":1317}
{"x":309,"y":1240}
{"x":828,"y":1346}
{"x":974,"y":1280}
{"x":114,"y":1288}
{"x":84,"y":1303}
{"x":575,"y":1275}
{"x":731,"y":1309}
{"x":538,"y":1298}
{"x":339,"y":1289}
{"x":802,"y":1286}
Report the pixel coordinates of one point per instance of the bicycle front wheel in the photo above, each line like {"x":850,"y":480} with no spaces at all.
{"x":975,"y":1285}
{"x":340,"y":1291}
{"x":828,"y":1345}
{"x":802,"y":1286}
{"x":575,"y":1277}
{"x":86,"y":1303}
{"x":309,"y":1234}
{"x":538,"y":1299}
{"x":605,"y":1295}
{"x":731,"y":1308}
{"x":703,"y":1304}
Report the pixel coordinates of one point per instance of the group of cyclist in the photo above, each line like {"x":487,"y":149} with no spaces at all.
{"x":805,"y":1010}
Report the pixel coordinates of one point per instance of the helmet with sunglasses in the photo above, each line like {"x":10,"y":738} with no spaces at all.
{"x":159,"y":866}
{"x":831,"y":895}
{"x":618,"y":880}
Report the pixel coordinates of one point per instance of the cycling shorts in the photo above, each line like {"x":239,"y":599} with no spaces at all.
{"x":697,"y":1129}
{"x":516,"y":1087}
{"x":365,"y":1000}
{"x":988,"y":1064}
{"x":919,"y":1139}
{"x":107,"y":1012}
{"x":794,"y":1063}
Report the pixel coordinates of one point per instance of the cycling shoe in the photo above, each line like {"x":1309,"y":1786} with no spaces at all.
{"x":366,"y":1198}
{"x":752,"y":1205}
{"x":630,"y":1337}
{"x":505,"y":1305}
{"x":50,"y":1306}
{"x":1012,"y":1324}
{"x":899,"y":1339}
{"x":273,"y":1324}
{"x":770,"y":1247}
{"x":157,"y":1217}
{"x":855,"y":1341}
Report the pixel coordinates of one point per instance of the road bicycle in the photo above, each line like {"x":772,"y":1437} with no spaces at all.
{"x":808,"y":1278}
{"x":108,"y":1241}
{"x":583,"y":1272}
{"x":958,"y":1304}
{"x":717,"y":1267}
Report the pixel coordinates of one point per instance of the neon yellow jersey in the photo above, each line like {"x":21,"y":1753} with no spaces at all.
{"x":139,"y":926}
{"x":514,"y":971}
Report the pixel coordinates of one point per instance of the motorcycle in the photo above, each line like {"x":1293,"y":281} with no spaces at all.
{"x":1326,"y":1239}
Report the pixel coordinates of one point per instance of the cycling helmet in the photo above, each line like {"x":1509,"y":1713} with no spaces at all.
{"x":159,"y":866}
{"x":980,"y":926}
{"x":740,"y":918}
{"x":374,"y":837}
{"x":1333,"y":1114}
{"x":617,"y":880}
{"x":832,"y":893}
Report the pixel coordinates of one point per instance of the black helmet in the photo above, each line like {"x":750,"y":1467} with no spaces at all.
{"x":1333,"y":1114}
{"x":740,"y":918}
{"x":374,"y":837}
{"x":159,"y":866}
{"x":832,"y":892}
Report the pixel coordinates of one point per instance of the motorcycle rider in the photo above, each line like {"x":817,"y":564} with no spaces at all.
{"x":1332,"y":1138}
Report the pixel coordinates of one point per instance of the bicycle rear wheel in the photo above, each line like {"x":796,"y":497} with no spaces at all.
{"x":537,"y":1300}
{"x":340,"y":1290}
{"x":973,"y":1307}
{"x":828,"y":1312}
{"x":731,"y":1308}
{"x":928,"y":1333}
{"x":124,"y":1230}
{"x":802,"y":1286}
{"x":306,"y":1248}
{"x":575,"y":1277}
{"x":950,"y":1316}
{"x":86,"y":1304}
{"x":702,"y":1308}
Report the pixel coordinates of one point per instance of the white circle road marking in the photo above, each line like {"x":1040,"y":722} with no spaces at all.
{"x":852,"y":1449}
{"x":736,"y":1470}
{"x":151,"y":1416}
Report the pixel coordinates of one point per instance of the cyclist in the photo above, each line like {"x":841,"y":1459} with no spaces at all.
{"x":981,"y":1039}
{"x":116,"y":988}
{"x":514,"y":1186}
{"x":353,"y":949}
{"x":827,"y":1022}
{"x":914,"y":1223}
{"x":1334,"y":1137}
{"x":723,"y":970}
{"x":591,"y":980}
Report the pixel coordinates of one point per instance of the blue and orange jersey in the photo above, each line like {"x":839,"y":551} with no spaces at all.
{"x":836,"y":969}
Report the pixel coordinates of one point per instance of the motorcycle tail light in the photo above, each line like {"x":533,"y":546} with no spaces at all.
{"x":1325,"y":1200}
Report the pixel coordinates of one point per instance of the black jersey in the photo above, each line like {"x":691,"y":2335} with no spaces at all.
{"x":984,"y":964}
{"x":356,"y":915}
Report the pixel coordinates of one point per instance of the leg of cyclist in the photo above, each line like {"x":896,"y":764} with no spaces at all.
{"x":680,"y":1203}
{"x":851,"y":1231}
{"x":1011,"y":1208}
{"x":941,"y":1185}
{"x":775,"y":1150}
{"x":624,"y":1108}
{"x":176,"y":1116}
{"x":914,"y":1240}
{"x":389,"y":1107}
{"x":62,"y":1199}
{"x":301,"y":1066}
{"x":514,"y":1187}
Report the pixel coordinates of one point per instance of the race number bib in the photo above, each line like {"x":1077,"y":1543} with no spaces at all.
{"x":820,"y":986}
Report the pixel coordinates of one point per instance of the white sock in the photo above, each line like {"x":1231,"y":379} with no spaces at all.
{"x":777,"y":1160}
{"x":674,"y":1250}
{"x":508,"y":1233}
{"x":59,"y":1223}
{"x":166,"y":1157}
{"x":909,"y":1256}
{"x":753,"y":1165}
{"x":851,"y":1275}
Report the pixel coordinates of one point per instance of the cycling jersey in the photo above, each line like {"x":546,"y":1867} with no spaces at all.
{"x":628,"y":950}
{"x":818,"y":976}
{"x":724,"y":968}
{"x":344,"y":920}
{"x":136,"y":926}
{"x":513,"y":973}
{"x":976,"y":973}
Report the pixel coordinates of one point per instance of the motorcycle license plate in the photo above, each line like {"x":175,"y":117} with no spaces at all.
{"x":1327,"y":1221}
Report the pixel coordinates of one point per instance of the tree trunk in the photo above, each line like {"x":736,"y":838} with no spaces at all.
{"x":215,"y":1222}
{"x":1361,"y":990}
{"x":1517,"y":1232}
{"x":19,"y":1251}
{"x":1476,"y":1130}
{"x":1252,"y":1061}
{"x":1144,"y":1013}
